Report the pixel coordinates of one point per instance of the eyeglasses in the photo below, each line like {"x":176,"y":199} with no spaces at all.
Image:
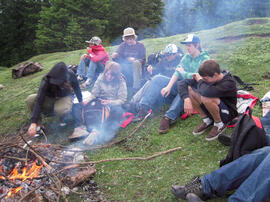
{"x":129,"y":37}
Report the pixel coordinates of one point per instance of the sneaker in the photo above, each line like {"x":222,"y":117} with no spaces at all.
{"x":214,"y":133}
{"x":201,"y":128}
{"x":91,"y":138}
{"x":225,"y":139}
{"x":194,"y":186}
{"x":164,"y":125}
{"x":140,"y":115}
{"x":79,"y":78}
{"x":79,"y":132}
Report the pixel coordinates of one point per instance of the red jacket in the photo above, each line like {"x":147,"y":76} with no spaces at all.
{"x":98,"y":54}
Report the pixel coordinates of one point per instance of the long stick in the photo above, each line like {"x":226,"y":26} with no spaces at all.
{"x":125,"y":158}
{"x":36,"y":154}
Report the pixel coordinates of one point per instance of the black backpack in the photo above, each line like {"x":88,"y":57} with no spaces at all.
{"x":92,"y":115}
{"x":248,"y":135}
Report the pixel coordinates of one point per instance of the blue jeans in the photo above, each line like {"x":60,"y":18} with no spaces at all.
{"x":266,"y":125}
{"x":248,"y":174}
{"x":93,"y":67}
{"x":153,"y":98}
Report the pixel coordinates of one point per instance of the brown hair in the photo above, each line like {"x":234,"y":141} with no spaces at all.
{"x":209,"y":68}
{"x":114,"y":67}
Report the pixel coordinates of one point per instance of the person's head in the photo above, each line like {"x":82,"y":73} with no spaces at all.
{"x":209,"y":70}
{"x":129,"y":36}
{"x":58,"y":75}
{"x":193,"y":44}
{"x":170,"y":51}
{"x":112,"y":72}
{"x":94,"y":41}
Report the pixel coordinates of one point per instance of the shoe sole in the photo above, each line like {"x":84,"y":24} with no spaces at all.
{"x":199,"y":133}
{"x":214,"y":138}
{"x":163,"y":131}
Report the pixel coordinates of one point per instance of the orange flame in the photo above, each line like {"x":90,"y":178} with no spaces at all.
{"x":1,"y":177}
{"x":30,"y":174}
{"x":13,"y":191}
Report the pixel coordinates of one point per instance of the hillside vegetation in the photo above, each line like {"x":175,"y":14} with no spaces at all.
{"x":241,"y":47}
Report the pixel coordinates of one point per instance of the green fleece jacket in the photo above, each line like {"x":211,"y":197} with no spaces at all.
{"x":191,"y":65}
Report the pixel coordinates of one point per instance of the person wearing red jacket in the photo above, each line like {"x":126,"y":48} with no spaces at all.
{"x":95,"y":59}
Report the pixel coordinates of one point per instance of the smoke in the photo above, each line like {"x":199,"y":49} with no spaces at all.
{"x":183,"y":16}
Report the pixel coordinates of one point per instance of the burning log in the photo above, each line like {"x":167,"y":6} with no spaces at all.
{"x":79,"y":177}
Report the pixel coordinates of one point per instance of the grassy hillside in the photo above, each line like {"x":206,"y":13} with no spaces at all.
{"x":241,"y":47}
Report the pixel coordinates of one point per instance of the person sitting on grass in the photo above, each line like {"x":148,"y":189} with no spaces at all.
{"x":163,"y":89}
{"x":109,"y":90}
{"x":131,"y":55}
{"x":171,"y":57}
{"x":95,"y":59}
{"x":249,"y":175}
{"x":213,"y":95}
{"x":54,"y":95}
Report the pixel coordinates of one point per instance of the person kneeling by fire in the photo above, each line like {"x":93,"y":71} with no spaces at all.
{"x":98,"y":116}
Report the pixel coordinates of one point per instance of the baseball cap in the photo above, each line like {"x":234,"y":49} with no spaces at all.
{"x":95,"y":40}
{"x":170,"y":49}
{"x":191,"y":38}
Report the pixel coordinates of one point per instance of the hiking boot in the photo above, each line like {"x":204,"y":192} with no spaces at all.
{"x":79,"y":132}
{"x":140,"y":115}
{"x":201,"y":128}
{"x":214,"y":133}
{"x":191,"y":197}
{"x":194,"y":186}
{"x":164,"y":125}
{"x":79,"y":78}
{"x":225,"y":139}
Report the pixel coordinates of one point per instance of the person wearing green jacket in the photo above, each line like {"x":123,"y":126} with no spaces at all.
{"x":164,"y":89}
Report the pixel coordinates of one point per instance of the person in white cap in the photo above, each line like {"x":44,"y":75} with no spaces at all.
{"x":164,"y":89}
{"x":131,"y":56}
{"x":95,"y":59}
{"x":171,"y":57}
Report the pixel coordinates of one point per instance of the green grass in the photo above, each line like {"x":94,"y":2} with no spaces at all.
{"x":247,"y":57}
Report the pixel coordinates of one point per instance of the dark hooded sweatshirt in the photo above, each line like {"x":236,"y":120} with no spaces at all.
{"x":225,"y":90}
{"x":52,"y":85}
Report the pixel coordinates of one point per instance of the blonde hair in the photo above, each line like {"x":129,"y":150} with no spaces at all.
{"x":114,"y":67}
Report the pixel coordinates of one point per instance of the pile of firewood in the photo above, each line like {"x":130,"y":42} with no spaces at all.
{"x":40,"y":171}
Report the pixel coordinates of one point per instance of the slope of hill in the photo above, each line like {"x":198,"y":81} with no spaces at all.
{"x":241,"y":47}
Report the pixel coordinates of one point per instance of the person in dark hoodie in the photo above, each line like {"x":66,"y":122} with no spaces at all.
{"x":54,"y":95}
{"x":214,"y":96}
{"x":95,"y":59}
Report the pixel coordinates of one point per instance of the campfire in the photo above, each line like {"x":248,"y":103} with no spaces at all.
{"x":40,"y":171}
{"x":48,"y":172}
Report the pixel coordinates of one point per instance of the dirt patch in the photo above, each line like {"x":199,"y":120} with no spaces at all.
{"x":243,"y":36}
{"x":257,"y":21}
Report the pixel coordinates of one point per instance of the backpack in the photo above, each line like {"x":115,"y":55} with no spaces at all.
{"x":93,"y":115}
{"x":248,"y":135}
{"x":26,"y":69}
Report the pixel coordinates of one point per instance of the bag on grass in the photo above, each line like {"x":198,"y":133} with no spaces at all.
{"x":93,"y":114}
{"x":248,"y":135}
